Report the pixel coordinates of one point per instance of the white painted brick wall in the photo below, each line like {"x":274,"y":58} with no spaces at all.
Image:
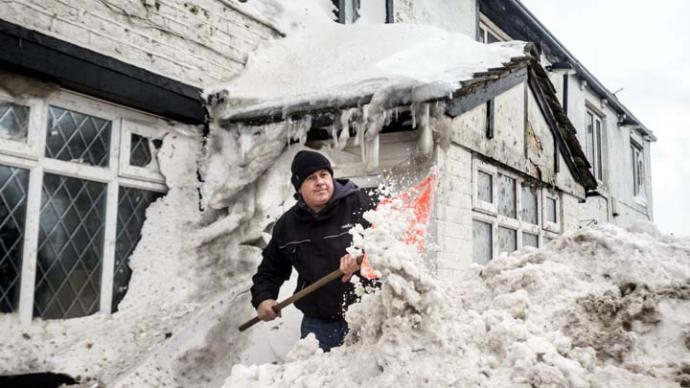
{"x":453,"y":211}
{"x":198,"y":43}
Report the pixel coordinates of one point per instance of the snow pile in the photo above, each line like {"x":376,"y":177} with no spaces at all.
{"x":187,"y":294}
{"x":600,"y":307}
{"x":321,"y":61}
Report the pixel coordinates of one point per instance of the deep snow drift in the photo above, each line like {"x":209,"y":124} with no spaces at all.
{"x":600,"y":307}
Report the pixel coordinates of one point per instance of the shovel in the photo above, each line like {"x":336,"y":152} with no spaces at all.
{"x":301,"y":294}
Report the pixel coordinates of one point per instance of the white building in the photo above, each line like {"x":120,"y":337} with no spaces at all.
{"x":88,"y":88}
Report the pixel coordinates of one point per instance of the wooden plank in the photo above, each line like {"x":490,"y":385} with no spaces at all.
{"x":470,"y":99}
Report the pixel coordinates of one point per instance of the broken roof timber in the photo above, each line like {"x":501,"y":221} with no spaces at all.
{"x":561,"y":127}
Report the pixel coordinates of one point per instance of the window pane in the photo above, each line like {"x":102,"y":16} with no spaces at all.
{"x":507,"y":240}
{"x":589,"y":138}
{"x":598,"y":164}
{"x":76,"y":137}
{"x":530,"y":205}
{"x":481,"y":242}
{"x":506,"y":196}
{"x":484,"y":187}
{"x":530,"y":240}
{"x":131,"y":214}
{"x":70,"y":247}
{"x":13,"y":186}
{"x":140,"y":151}
{"x":14,"y":121}
{"x":551,"y":209}
{"x":491,"y":38}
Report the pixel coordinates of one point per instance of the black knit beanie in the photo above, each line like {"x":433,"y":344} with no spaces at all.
{"x":305,"y":163}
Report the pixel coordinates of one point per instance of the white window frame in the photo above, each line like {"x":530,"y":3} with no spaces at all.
{"x":130,"y":127}
{"x":490,"y":208}
{"x":554,"y":227}
{"x":31,"y":156}
{"x":488,"y":213}
{"x":34,"y":141}
{"x":639,"y":190}
{"x":597,"y":144}
{"x":486,"y":26}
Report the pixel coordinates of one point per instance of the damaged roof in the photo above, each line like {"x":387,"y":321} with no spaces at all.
{"x":482,"y":87}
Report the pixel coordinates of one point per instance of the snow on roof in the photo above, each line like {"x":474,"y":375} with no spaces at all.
{"x":327,"y":61}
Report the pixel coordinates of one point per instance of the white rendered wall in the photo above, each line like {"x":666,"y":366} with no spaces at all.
{"x":452,"y":221}
{"x":457,"y":16}
{"x":617,"y":184}
{"x":198,"y":43}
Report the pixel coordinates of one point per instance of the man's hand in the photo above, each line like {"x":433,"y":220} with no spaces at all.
{"x":348,"y":264}
{"x":265,"y":310}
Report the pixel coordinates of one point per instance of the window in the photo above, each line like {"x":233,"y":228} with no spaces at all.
{"x":482,"y":249}
{"x":507,"y":239}
{"x":14,"y":183}
{"x":551,"y":211}
{"x":593,"y":144}
{"x":510,"y":212}
{"x":14,"y":121}
{"x":530,"y":205}
{"x":486,"y":36}
{"x":638,"y":171}
{"x":76,"y":176}
{"x":347,"y":11}
{"x":484,"y":187}
{"x":489,"y":32}
{"x":530,"y":240}
{"x":507,"y":200}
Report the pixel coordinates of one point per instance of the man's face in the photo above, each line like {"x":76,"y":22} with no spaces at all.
{"x":317,"y":189}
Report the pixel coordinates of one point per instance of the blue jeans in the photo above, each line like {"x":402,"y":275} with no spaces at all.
{"x":329,"y":333}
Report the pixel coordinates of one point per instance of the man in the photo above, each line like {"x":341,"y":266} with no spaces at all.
{"x":312,"y":237}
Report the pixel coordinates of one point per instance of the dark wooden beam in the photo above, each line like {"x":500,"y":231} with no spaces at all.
{"x":474,"y":95}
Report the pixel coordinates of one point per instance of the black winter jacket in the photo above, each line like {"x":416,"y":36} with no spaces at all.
{"x":313,"y":243}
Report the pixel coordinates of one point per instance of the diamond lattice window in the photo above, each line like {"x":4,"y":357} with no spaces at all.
{"x":14,"y":121}
{"x":131,"y":214}
{"x":140,"y":152}
{"x":70,"y":247}
{"x":76,"y":137}
{"x":13,"y":186}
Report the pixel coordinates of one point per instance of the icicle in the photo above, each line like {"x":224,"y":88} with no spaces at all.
{"x":336,"y":125}
{"x":372,"y":153}
{"x":413,"y":109}
{"x":425,"y":143}
{"x":345,"y":127}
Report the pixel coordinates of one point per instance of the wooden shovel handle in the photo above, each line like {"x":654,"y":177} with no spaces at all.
{"x":301,"y":294}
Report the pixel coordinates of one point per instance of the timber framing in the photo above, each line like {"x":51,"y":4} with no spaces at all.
{"x":73,"y":67}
